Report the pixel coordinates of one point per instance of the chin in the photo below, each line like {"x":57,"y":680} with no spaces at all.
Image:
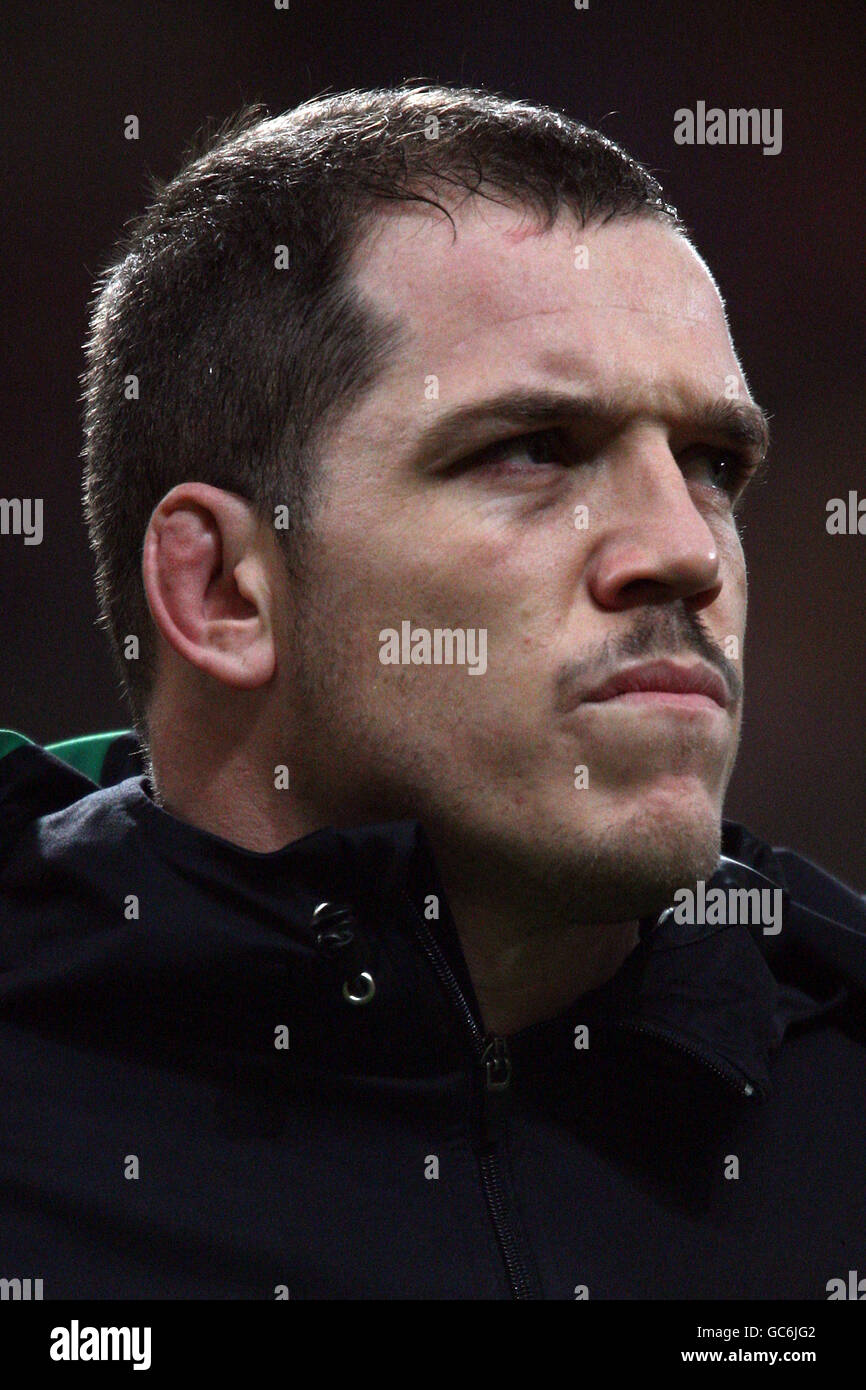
{"x":627,"y":861}
{"x":655,"y":861}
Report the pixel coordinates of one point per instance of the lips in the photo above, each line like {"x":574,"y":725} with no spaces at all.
{"x":663,"y":678}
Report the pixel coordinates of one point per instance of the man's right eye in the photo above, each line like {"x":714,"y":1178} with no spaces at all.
{"x":524,"y":452}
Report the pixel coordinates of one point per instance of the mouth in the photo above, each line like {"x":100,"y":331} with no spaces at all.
{"x":663,"y":684}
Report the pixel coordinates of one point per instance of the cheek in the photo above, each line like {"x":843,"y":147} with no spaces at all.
{"x":732,"y":564}
{"x":462,"y":578}
{"x":740,"y":583}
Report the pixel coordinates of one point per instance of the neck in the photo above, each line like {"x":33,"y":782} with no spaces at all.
{"x":527,"y":958}
{"x":528,"y":964}
{"x":221,"y":773}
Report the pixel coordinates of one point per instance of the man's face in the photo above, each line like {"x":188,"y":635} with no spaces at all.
{"x":582,"y":544}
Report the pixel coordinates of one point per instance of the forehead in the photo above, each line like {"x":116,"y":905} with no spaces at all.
{"x":626,"y":306}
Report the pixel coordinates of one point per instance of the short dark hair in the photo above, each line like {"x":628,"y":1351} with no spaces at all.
{"x":240,"y":352}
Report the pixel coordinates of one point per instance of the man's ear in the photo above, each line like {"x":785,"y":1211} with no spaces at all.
{"x":207,"y":568}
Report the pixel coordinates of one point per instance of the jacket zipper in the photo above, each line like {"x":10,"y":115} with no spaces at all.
{"x":493,"y":1056}
{"x":732,"y":1078}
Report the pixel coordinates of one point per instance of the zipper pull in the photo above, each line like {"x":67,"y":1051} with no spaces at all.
{"x":497,"y":1064}
{"x":496,"y":1061}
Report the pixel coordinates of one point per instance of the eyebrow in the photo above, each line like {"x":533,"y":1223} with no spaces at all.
{"x":737,"y":423}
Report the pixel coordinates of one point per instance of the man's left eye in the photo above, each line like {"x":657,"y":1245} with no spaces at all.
{"x":720,"y":468}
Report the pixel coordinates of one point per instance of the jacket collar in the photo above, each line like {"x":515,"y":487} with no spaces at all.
{"x":709,"y":992}
{"x":721,"y":996}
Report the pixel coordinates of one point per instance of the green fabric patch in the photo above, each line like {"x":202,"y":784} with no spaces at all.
{"x":85,"y":754}
{"x":10,"y":740}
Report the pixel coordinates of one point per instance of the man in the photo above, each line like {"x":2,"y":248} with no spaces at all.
{"x":415,"y":961}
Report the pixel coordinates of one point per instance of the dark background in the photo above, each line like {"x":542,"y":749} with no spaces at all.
{"x":783,"y":235}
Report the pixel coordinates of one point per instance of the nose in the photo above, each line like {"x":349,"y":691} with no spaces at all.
{"x":655,"y":542}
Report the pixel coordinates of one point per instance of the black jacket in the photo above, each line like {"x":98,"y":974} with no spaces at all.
{"x":194,"y":1105}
